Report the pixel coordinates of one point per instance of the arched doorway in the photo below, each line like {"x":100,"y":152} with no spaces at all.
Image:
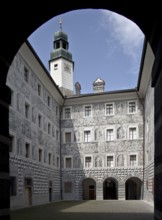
{"x":110,"y":187}
{"x":133,"y":188}
{"x":89,"y":189}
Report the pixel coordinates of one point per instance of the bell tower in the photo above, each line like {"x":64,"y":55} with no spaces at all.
{"x":61,"y":63}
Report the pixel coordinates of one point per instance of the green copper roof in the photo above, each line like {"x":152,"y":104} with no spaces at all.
{"x":60,"y":35}
{"x":61,"y":53}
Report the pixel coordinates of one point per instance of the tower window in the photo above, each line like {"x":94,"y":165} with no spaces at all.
{"x":64,"y":45}
{"x":57,"y":44}
{"x":56,"y":66}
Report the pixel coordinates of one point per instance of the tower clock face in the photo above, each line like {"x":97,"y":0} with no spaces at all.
{"x":67,"y":68}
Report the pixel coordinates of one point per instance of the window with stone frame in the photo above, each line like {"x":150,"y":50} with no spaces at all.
{"x":27,"y":150}
{"x":39,"y":88}
{"x":68,"y":186}
{"x":26,"y":75}
{"x":27,"y":110}
{"x":133,"y":160}
{"x":110,"y":161}
{"x":88,"y":162}
{"x":87,"y":136}
{"x":110,"y":134}
{"x":68,"y":162}
{"x":67,"y":137}
{"x":13,"y":186}
{"x":67,"y":112}
{"x":40,"y":155}
{"x":132,"y":107}
{"x":87,"y":111}
{"x":39,"y":121}
{"x":132,"y":133}
{"x":109,"y":109}
{"x":49,"y":158}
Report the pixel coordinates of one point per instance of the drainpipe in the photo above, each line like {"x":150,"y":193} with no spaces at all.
{"x":143,"y":145}
{"x":61,"y":152}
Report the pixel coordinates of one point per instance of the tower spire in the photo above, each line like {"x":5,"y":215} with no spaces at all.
{"x":60,"y":22}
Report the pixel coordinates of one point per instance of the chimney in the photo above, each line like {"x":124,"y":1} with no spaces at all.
{"x":77,"y":88}
{"x":98,"y":85}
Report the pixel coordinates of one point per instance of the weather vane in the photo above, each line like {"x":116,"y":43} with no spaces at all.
{"x":60,"y":23}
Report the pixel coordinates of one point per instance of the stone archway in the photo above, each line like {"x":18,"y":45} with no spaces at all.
{"x":89,"y":189}
{"x":110,"y":189}
{"x":133,"y":189}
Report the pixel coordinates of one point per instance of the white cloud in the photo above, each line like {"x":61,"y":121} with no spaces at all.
{"x":126,"y":33}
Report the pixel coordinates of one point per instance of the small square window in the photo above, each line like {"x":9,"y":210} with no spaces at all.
{"x":67,"y":113}
{"x":87,"y":111}
{"x":132,"y":133}
{"x":68,"y":137}
{"x":88,"y":162}
{"x":132,"y":107}
{"x":68,"y":162}
{"x":133,"y":160}
{"x":110,"y":135}
{"x":109,"y":109}
{"x":87,"y":136}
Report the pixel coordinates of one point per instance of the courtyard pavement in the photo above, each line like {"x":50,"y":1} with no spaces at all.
{"x":87,"y":210}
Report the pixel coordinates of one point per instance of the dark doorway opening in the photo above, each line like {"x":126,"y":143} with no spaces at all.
{"x":133,"y":189}
{"x":89,"y":189}
{"x":110,"y":189}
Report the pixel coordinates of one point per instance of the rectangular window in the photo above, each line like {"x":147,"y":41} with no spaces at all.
{"x":13,"y":186}
{"x":57,"y":135}
{"x":49,"y":128}
{"x":87,"y":136}
{"x":27,"y":150}
{"x":87,"y":111}
{"x":49,"y":158}
{"x":133,"y":160}
{"x":27,"y":109}
{"x":67,"y":113}
{"x":110,"y":161}
{"x":39,"y":89}
{"x":68,"y":162}
{"x":67,"y":187}
{"x":26,"y":75}
{"x":58,"y":162}
{"x":109,"y":109}
{"x":132,"y":107}
{"x":48,"y":101}
{"x":39,"y":121}
{"x":88,"y":162}
{"x":110,"y":134}
{"x":132,"y":133}
{"x":68,"y":137}
{"x":40,"y":155}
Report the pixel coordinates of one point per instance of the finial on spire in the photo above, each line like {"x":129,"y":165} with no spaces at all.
{"x":60,"y":23}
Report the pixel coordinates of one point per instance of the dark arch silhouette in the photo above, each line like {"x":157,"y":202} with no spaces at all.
{"x":18,"y":21}
{"x":133,"y":188}
{"x":110,"y":189}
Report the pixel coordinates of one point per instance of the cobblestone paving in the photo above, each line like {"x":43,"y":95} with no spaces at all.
{"x":87,"y":210}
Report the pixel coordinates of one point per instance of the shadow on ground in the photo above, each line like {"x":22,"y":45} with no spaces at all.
{"x":87,"y":210}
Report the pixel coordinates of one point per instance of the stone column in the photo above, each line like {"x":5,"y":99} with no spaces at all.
{"x":99,"y":191}
{"x":121,"y":190}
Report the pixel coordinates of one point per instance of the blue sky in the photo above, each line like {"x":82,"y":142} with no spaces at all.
{"x":103,"y":44}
